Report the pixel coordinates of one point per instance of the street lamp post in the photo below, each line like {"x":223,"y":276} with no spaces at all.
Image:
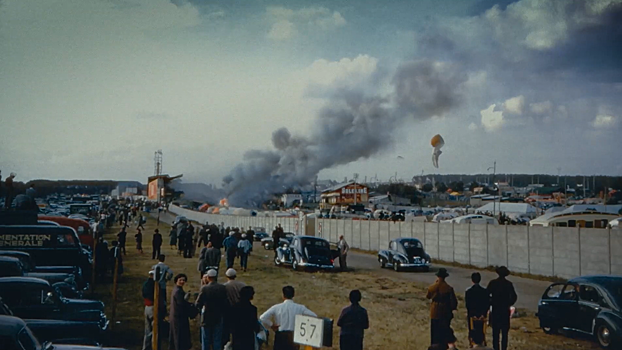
{"x":494,"y":172}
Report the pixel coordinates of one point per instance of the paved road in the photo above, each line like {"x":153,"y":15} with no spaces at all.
{"x":528,"y":290}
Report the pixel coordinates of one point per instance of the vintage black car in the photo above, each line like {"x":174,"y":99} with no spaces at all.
{"x":68,"y":332}
{"x":12,"y":267}
{"x":47,"y":245}
{"x":268,"y":242}
{"x":589,"y":305}
{"x":15,"y":334}
{"x":29,"y":266}
{"x":34,"y":298}
{"x":305,"y":252}
{"x":405,"y":253}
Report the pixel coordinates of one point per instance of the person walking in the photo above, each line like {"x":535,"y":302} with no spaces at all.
{"x":188,"y":241}
{"x":245,"y":327}
{"x":141,"y":221}
{"x":502,"y":297}
{"x":231,"y":246}
{"x":139,"y":241}
{"x":343,"y":253}
{"x":477,"y":301}
{"x":213,"y":303}
{"x":282,"y":319}
{"x":443,"y":304}
{"x":353,"y":322}
{"x":250,"y":233}
{"x":179,"y":315}
{"x":172,"y":241}
{"x":121,"y":238}
{"x":212,"y":257}
{"x":156,"y":244}
{"x":276,"y":236}
{"x":201,"y":266}
{"x":244,"y":248}
{"x":164,"y":272}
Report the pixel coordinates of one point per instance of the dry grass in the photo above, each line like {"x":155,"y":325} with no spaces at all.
{"x":398,"y":310}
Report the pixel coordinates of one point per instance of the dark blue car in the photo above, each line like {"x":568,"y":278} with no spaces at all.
{"x":590,"y":305}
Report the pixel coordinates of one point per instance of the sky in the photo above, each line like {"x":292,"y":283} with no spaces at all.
{"x":260,"y":93}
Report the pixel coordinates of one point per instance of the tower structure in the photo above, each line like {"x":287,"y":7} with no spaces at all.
{"x":157,"y":163}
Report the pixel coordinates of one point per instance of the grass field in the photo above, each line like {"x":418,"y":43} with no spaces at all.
{"x":398,"y":311}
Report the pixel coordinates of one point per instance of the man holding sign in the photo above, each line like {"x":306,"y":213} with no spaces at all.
{"x":282,"y":319}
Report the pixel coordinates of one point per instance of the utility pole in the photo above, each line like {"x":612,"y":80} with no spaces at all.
{"x":494,"y":172}
{"x":356,"y":176}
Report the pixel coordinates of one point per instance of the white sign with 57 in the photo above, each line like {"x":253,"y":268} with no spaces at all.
{"x":309,"y":331}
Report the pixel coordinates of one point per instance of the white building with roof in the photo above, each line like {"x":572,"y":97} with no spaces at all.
{"x":580,"y":215}
{"x":520,"y":209}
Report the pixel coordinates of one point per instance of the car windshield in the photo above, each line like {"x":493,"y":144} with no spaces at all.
{"x":413,"y":248}
{"x":316,"y":246}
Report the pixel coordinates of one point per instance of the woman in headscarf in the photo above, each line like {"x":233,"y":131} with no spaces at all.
{"x":180,"y":313}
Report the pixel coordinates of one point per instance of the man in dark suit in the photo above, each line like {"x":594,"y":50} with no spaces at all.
{"x":502,"y":297}
{"x":477,"y":304}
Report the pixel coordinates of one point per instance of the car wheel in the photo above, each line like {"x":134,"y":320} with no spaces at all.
{"x":295,"y":265}
{"x":383,"y":264}
{"x":604,"y":335}
{"x":396,"y":266}
{"x":549,"y":330}
{"x":277,"y":262}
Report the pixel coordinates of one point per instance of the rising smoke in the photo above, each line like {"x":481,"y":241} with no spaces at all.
{"x":352,"y":126}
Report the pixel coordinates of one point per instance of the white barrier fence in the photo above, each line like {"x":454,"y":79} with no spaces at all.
{"x":547,"y":251}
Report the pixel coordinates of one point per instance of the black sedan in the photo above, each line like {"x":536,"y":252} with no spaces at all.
{"x":589,"y":305}
{"x":404,"y":253}
{"x":305,"y":252}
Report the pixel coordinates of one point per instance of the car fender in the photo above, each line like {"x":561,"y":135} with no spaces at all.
{"x":400,"y":257}
{"x":383,"y":254}
{"x":612,"y":319}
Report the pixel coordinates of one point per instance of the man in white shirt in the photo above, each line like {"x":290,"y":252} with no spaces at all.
{"x":282,"y":319}
{"x":343,"y":253}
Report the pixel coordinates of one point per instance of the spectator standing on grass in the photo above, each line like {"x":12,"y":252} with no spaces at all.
{"x":477,"y":301}
{"x":188,"y":241}
{"x":139,"y":241}
{"x":212,"y":257}
{"x":244,"y":248}
{"x":115,"y":254}
{"x":343,"y":253}
{"x":282,"y":319}
{"x":201,"y":266}
{"x":156,"y":244}
{"x":141,"y":221}
{"x":165,"y":273}
{"x":172,"y":241}
{"x":233,"y":286}
{"x":276,"y":236}
{"x":245,"y":327}
{"x":181,"y":237}
{"x":231,"y":246}
{"x":213,"y":303}
{"x":101,"y":258}
{"x":121,"y":238}
{"x":203,"y":235}
{"x":250,"y":233}
{"x":443,"y":304}
{"x":179,"y":316}
{"x":502,"y":297}
{"x":353,"y":322}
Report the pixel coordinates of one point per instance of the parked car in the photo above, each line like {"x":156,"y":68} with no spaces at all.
{"x":260,"y":233}
{"x":589,"y":305}
{"x":68,"y":332}
{"x":305,"y":252}
{"x":12,"y":267}
{"x":82,"y":227}
{"x":30,"y":266}
{"x":31,"y":298}
{"x":268,"y":242}
{"x":405,"y":253}
{"x":47,"y":245}
{"x":15,"y":334}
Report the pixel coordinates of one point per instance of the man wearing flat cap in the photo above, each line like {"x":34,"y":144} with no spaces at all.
{"x":214,"y":305}
{"x":443,"y":304}
{"x":502,"y":297}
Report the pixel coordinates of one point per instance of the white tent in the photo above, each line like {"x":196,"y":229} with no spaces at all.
{"x":522,"y":209}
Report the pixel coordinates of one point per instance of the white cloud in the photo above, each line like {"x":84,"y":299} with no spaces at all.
{"x":540,"y":108}
{"x":282,"y":30}
{"x":491,"y":120}
{"x":346,"y":72}
{"x":514,"y":105}
{"x":287,"y":22}
{"x":604,"y":121}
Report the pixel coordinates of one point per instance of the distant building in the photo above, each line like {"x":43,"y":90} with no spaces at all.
{"x":344,"y":194}
{"x":289,"y":199}
{"x":388,"y":199}
{"x":158,"y":187}
{"x":521,"y":209}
